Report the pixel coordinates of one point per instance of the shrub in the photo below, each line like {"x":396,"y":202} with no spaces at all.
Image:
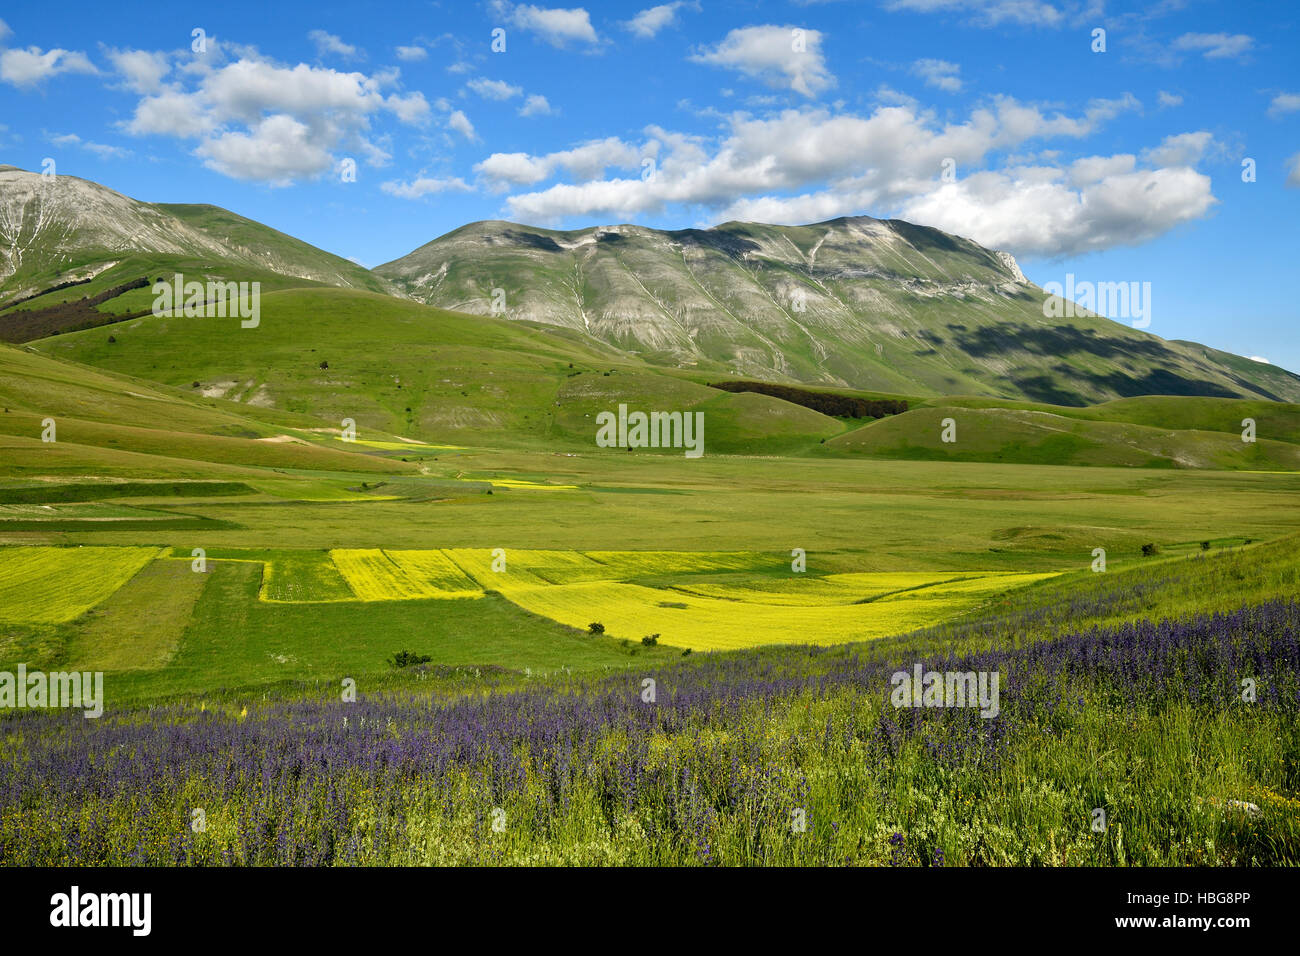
{"x":595,"y":627}
{"x":406,"y":659}
{"x":1149,"y":549}
{"x":650,"y":640}
{"x":1205,"y":546}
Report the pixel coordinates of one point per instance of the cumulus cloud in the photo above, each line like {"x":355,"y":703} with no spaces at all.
{"x":1045,"y":211}
{"x":423,"y":186}
{"x":781,"y":56}
{"x":493,"y":89}
{"x":299,"y":116}
{"x":1215,"y":46}
{"x":328,"y":43}
{"x":141,"y":70}
{"x":586,"y":162}
{"x":940,"y":74}
{"x":459,"y":122}
{"x":807,"y":165}
{"x":275,"y":150}
{"x":650,"y":21}
{"x":1284,"y":103}
{"x":411,"y":54}
{"x":536,"y":105}
{"x":30,"y":66}
{"x":557,"y":26}
{"x":1169,"y":99}
{"x":1185,"y":149}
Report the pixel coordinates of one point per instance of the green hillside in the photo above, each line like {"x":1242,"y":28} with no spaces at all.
{"x":404,"y":368}
{"x":1059,"y":436}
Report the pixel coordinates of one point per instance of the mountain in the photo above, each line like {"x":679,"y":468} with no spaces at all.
{"x":56,"y":230}
{"x":882,"y":305}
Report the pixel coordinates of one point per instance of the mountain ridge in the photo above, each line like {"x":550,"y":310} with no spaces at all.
{"x":881,"y":305}
{"x":853,"y":302}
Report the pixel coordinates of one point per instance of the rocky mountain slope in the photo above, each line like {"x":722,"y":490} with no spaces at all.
{"x":57,"y":229}
{"x":857,"y":302}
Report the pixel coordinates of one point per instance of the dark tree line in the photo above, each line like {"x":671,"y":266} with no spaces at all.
{"x":840,"y":406}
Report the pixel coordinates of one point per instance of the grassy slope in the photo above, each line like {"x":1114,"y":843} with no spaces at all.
{"x":1038,"y":436}
{"x":408,"y":369}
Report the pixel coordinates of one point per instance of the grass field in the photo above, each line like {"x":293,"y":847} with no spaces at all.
{"x":488,"y":558}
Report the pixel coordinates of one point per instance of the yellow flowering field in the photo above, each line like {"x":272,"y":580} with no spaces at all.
{"x":706,"y":623}
{"x":42,"y":585}
{"x":802,"y":590}
{"x":376,"y":575}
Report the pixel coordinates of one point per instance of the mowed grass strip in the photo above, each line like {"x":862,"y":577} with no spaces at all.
{"x":140,"y":626}
{"x":304,"y":577}
{"x":46,"y":585}
{"x":236,"y":641}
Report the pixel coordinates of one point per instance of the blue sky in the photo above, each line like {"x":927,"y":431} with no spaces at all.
{"x":994,"y":119}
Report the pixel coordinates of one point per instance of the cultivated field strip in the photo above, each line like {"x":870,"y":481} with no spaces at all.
{"x":632,"y":611}
{"x":47,"y":585}
{"x":377,"y":575}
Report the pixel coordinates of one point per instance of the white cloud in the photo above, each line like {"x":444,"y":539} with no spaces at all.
{"x":556,"y":26}
{"x":4,"y":30}
{"x":459,"y":122}
{"x":940,"y":74}
{"x":536,"y":105}
{"x":1185,"y":149}
{"x":1293,"y":175}
{"x":812,"y":164}
{"x":277,"y":150}
{"x":141,"y":70}
{"x":423,"y":186}
{"x":99,"y":149}
{"x":1260,"y":359}
{"x":1034,"y":211}
{"x":237,"y":108}
{"x":1284,"y":103}
{"x":32,"y":65}
{"x":989,"y":12}
{"x":649,"y":22}
{"x":327,"y":43}
{"x":782,"y":56}
{"x":493,"y":89}
{"x":410,"y":54}
{"x":585,"y":162}
{"x":171,"y":113}
{"x":1169,"y":99}
{"x":1215,"y":46}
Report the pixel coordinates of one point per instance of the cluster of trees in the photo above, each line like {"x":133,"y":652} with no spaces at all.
{"x":840,"y":406}
{"x":26,"y":325}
